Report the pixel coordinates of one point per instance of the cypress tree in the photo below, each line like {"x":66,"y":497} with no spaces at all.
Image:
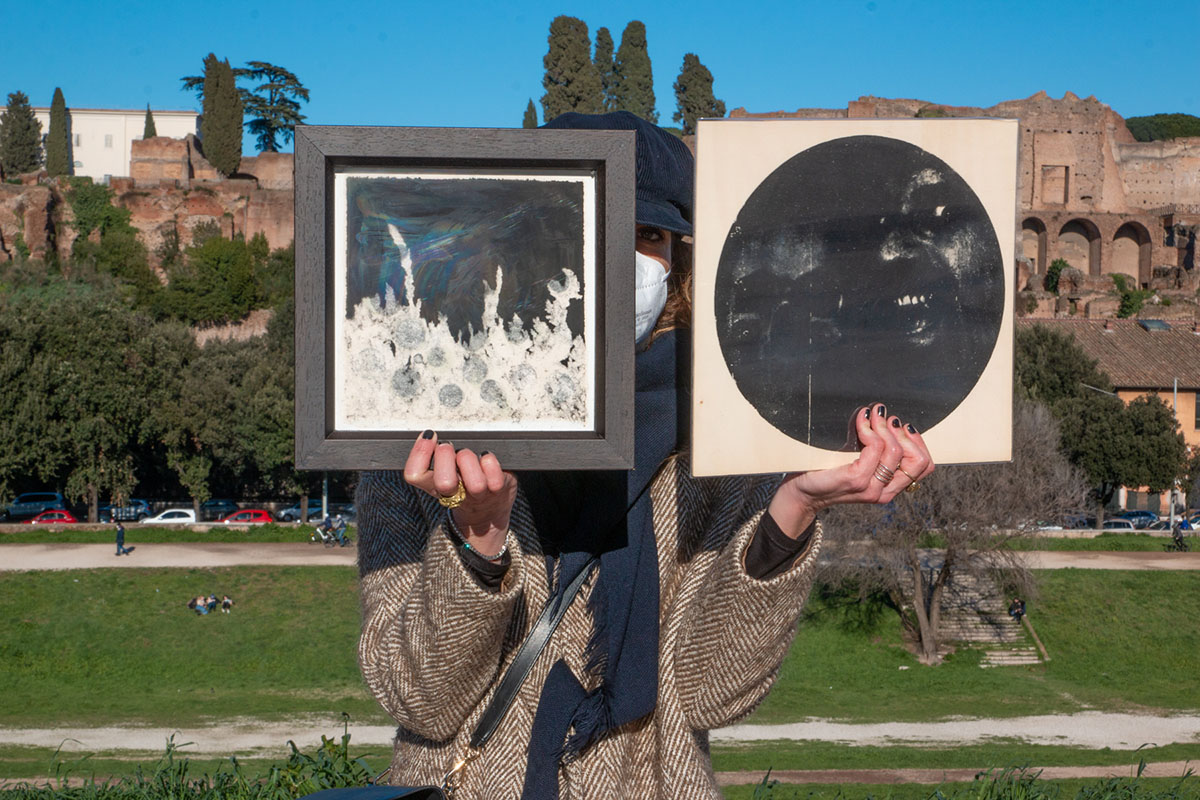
{"x":606,"y":66}
{"x":149,"y":132}
{"x":694,"y":94}
{"x":530,"y":120}
{"x":571,"y":81}
{"x":20,"y":137}
{"x":221,"y":126}
{"x":634,"y":80}
{"x":58,"y":142}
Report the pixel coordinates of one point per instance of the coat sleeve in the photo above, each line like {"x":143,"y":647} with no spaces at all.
{"x":432,"y":635}
{"x":734,"y":629}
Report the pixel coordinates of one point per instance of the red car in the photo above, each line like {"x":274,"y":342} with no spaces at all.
{"x":54,"y":515}
{"x":247,"y":516}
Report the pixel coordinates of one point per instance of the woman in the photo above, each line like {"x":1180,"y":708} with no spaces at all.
{"x":684,"y":624}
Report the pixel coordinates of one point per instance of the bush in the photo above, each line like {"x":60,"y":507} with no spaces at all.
{"x":218,"y":282}
{"x":1053,"y":272}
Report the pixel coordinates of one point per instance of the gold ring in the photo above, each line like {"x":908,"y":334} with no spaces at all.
{"x":454,"y":500}
{"x":884,"y":474}
{"x":912,"y":487}
{"x":910,"y":477}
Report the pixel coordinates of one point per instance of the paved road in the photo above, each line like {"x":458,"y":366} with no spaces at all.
{"x":230,"y":554}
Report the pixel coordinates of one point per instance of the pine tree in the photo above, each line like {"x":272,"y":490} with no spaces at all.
{"x":274,"y":105}
{"x":694,"y":94}
{"x":20,"y":137}
{"x":634,"y":80}
{"x":530,"y":120}
{"x":221,"y":124}
{"x":571,"y":81}
{"x":149,"y":132}
{"x":58,"y":142}
{"x":606,"y":66}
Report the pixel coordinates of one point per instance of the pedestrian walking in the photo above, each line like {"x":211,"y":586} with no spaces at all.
{"x":121,"y":548}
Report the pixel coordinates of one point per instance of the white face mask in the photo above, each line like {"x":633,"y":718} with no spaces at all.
{"x":650,"y":290}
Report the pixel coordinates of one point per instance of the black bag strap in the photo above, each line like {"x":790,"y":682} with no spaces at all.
{"x":531,"y":648}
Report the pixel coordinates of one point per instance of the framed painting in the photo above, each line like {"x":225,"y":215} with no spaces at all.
{"x":473,"y":281}
{"x":845,"y":262}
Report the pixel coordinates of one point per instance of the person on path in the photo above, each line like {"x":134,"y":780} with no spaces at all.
{"x":121,"y":548}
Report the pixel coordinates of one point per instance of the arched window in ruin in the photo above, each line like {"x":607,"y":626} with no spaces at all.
{"x":1079,"y":244}
{"x":1131,"y":252}
{"x":1033,"y":243}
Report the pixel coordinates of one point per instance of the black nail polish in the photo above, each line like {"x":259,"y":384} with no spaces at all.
{"x":911,"y":429}
{"x":428,"y":434}
{"x":485,"y":453}
{"x":882,"y":410}
{"x":867,"y":413}
{"x":895,"y":423}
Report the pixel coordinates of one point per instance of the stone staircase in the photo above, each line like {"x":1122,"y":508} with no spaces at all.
{"x":975,"y":614}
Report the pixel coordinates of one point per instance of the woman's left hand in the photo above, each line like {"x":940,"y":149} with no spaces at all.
{"x":893,"y":458}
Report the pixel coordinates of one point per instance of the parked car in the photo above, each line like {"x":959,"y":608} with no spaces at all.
{"x":216,"y":509}
{"x":172,"y":516}
{"x":31,"y":504}
{"x":1164,"y":524}
{"x":133,"y":511}
{"x":1140,"y":518}
{"x":1118,"y":524}
{"x":53,"y":516}
{"x":292,"y":513}
{"x":248,"y":516}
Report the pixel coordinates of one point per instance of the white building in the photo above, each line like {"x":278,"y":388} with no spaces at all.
{"x":100,"y":137}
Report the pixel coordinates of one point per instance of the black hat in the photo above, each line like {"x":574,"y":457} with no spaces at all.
{"x":663,"y":170}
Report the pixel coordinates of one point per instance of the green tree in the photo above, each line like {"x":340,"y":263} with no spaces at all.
{"x":571,"y":81}
{"x":1053,"y":272}
{"x":58,"y":141}
{"x":1050,"y":366}
{"x":1161,"y":127}
{"x":221,"y":121}
{"x":633,"y":90}
{"x":606,"y":66}
{"x":20,"y":137}
{"x":694,"y":94}
{"x":149,"y":131}
{"x":273,"y":105}
{"x":530,"y":120}
{"x":218,"y":282}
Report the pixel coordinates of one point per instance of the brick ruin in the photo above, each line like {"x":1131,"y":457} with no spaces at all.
{"x":1089,"y":194}
{"x":172,"y":190}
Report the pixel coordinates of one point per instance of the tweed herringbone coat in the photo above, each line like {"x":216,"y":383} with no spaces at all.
{"x":434,"y":641}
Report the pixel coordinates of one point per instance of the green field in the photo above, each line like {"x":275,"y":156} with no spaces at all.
{"x":1111,"y":542}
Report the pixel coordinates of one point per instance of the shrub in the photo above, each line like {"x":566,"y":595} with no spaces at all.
{"x":1053,"y":272}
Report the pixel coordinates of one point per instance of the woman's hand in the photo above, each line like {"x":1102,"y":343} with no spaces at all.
{"x":893,"y":457}
{"x":482,"y":518}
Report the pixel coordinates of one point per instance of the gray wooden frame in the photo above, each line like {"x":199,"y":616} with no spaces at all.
{"x":609,"y":155}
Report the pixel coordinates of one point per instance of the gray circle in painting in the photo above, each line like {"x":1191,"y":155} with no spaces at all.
{"x":410,"y":333}
{"x":436,"y":357}
{"x":450,"y":395}
{"x":406,"y":382}
{"x":561,"y":389}
{"x":490,"y":392}
{"x":521,"y":375}
{"x":474,"y":369}
{"x":862,"y":269}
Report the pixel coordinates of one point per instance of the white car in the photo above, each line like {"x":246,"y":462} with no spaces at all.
{"x":172,"y":516}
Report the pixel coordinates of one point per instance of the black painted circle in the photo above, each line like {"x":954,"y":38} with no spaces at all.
{"x":862,"y":269}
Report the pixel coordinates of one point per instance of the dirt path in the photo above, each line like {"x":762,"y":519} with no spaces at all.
{"x":229,"y":554}
{"x":248,"y":737}
{"x":1165,"y":769}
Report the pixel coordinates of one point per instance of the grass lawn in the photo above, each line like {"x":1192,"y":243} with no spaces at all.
{"x":1111,"y":542}
{"x":1118,"y":789}
{"x":135,"y":534}
{"x":96,"y":646}
{"x":1118,"y":641}
{"x":92,"y":647}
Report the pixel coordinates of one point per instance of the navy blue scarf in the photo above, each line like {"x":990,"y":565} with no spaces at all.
{"x":583,"y":514}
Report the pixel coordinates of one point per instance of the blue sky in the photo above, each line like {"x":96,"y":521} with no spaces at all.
{"x":477,"y":64}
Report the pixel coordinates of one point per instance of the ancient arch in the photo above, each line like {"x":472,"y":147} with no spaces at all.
{"x":1079,"y":244}
{"x":1131,"y":252}
{"x":1033,"y":243}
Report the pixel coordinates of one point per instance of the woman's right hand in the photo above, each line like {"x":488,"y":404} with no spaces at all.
{"x":435,"y":468}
